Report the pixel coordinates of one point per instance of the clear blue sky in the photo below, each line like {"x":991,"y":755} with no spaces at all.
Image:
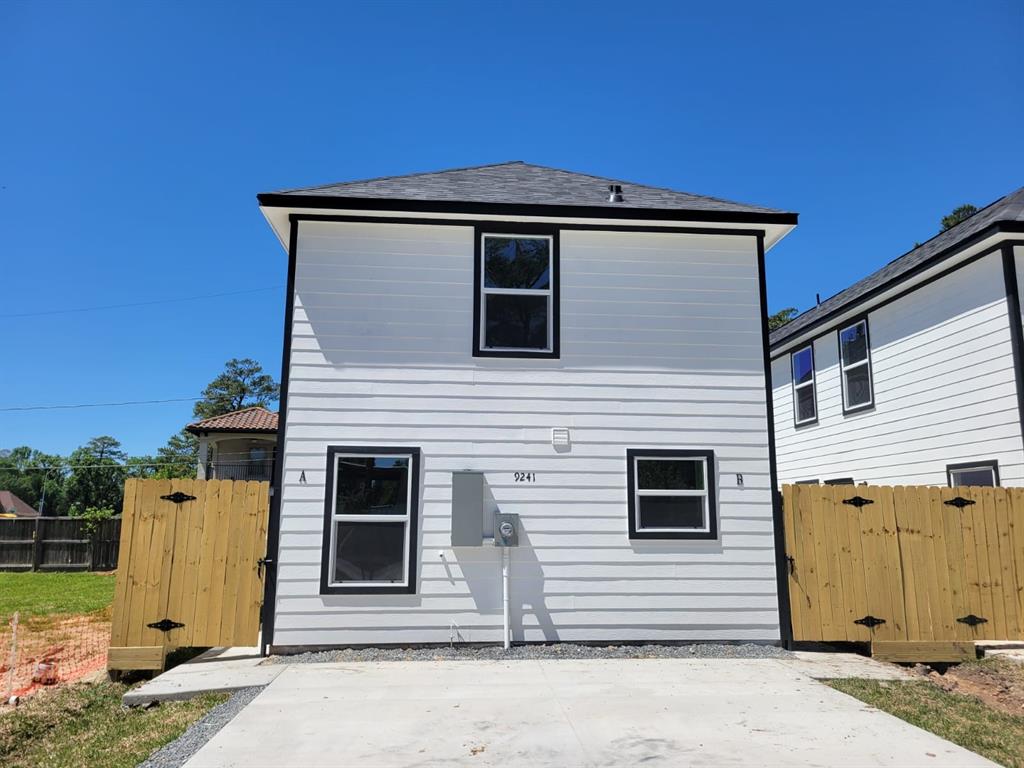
{"x":134,"y":138}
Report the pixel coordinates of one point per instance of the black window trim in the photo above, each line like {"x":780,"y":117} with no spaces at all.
{"x":513,"y":228}
{"x":814,"y":387}
{"x":870,"y":363}
{"x":982,"y":464}
{"x":711,"y":478}
{"x":839,"y":481}
{"x":412,"y":547}
{"x":806,"y":482}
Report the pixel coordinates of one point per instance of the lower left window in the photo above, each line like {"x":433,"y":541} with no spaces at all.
{"x":370,"y":516}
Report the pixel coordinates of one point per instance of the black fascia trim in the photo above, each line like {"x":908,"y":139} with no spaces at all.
{"x":355,"y":219}
{"x":984,"y":463}
{"x":839,"y":481}
{"x":278,"y":200}
{"x":326,"y":588}
{"x":274,"y":522}
{"x":672,"y":453}
{"x":814,"y":386}
{"x":514,"y":228}
{"x":781,"y":565}
{"x":1008,"y":227}
{"x":866,"y":407}
{"x":1016,"y":334}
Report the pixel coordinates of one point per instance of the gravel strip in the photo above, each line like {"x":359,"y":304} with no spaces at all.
{"x":554,"y":651}
{"x":178,"y":752}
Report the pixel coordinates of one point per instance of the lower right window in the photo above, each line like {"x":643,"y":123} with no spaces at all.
{"x":671,"y":494}
{"x":976,"y":473}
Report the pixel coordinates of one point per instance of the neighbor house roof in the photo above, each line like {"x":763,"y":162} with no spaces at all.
{"x":254,"y":419}
{"x":9,"y":502}
{"x":515,"y":185}
{"x":1005,"y":214}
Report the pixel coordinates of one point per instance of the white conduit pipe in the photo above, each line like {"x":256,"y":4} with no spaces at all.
{"x":506,"y":561}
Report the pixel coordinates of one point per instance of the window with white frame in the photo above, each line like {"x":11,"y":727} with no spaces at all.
{"x":517,"y":296}
{"x":671,"y":494}
{"x":976,"y":473}
{"x":855,"y":361}
{"x":370,"y":520}
{"x":805,"y":406}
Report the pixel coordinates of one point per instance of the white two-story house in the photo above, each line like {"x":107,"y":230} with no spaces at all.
{"x":912,"y":376}
{"x":522,"y":404}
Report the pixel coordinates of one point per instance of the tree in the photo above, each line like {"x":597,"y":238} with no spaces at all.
{"x":97,"y":475}
{"x":36,"y":478}
{"x":178,"y":458}
{"x":780,"y":318}
{"x":958,"y":214}
{"x":242,"y":385}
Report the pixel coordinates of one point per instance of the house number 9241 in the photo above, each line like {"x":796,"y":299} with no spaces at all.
{"x":526,"y":477}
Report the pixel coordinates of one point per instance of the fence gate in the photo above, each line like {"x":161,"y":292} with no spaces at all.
{"x":189,"y":572}
{"x":909,"y":564}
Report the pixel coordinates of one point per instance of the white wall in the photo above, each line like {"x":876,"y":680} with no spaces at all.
{"x":661,"y":347}
{"x":944,"y":391}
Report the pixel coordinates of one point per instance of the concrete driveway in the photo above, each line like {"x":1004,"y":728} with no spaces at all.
{"x":673,"y":712}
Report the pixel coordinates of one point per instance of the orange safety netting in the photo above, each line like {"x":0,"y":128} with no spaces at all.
{"x":39,"y":651}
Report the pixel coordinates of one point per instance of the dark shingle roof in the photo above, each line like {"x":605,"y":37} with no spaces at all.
{"x":1006,"y":209}
{"x":516,"y":184}
{"x":254,"y":419}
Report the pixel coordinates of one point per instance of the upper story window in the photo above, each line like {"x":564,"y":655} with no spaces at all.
{"x":855,"y":362}
{"x":805,"y":406}
{"x":516,"y":295}
{"x":671,"y":494}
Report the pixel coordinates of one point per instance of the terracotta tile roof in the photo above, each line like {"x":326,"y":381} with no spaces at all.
{"x":255,"y":419}
{"x":9,"y":501}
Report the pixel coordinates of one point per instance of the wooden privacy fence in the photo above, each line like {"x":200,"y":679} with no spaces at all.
{"x":58,"y":544}
{"x":869,"y":563}
{"x":191,"y":568}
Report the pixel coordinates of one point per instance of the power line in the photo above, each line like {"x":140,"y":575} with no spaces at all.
{"x":141,"y":303}
{"x":100,"y":405}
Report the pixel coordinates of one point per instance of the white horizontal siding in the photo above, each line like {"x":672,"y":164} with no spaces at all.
{"x":660,"y":347}
{"x":945,"y":391}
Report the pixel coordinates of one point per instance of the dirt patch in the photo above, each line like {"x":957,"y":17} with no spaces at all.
{"x":51,"y":650}
{"x":996,"y":682}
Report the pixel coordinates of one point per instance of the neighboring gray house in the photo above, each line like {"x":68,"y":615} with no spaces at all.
{"x":912,"y":376}
{"x":585,"y":353}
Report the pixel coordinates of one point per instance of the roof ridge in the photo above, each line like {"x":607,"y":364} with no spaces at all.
{"x":401,"y":176}
{"x":649,"y":186}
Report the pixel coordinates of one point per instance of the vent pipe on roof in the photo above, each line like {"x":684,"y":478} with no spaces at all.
{"x":614,"y":193}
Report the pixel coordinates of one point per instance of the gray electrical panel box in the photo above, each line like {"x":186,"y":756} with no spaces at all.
{"x":467,"y":509}
{"x":506,"y":529}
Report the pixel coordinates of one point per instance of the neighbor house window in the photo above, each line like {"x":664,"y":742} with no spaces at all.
{"x":805,"y":406}
{"x":840,"y":481}
{"x":984,"y":473}
{"x":671,"y":494}
{"x":517,"y":295}
{"x":370,"y":520}
{"x":855,"y":361}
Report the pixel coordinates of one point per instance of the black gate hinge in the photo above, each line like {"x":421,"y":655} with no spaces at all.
{"x":165,"y":625}
{"x":792,"y":563}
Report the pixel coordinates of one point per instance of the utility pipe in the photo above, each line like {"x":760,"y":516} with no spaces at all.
{"x":506,"y":559}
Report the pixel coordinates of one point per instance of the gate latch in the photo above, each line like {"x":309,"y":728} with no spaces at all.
{"x":869,"y":621}
{"x":263,"y":561}
{"x":971,"y":620}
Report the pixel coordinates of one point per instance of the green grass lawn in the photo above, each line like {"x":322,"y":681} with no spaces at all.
{"x":964,"y":720}
{"x":85,"y":725}
{"x":43,"y":594}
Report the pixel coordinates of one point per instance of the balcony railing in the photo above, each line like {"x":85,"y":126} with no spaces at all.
{"x":240,"y":470}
